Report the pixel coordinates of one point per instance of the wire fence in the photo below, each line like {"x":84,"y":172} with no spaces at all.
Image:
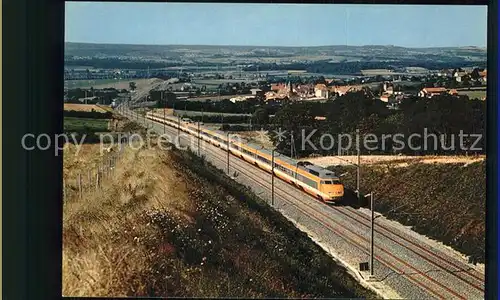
{"x":91,"y":179}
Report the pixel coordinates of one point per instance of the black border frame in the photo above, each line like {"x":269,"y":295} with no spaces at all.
{"x":33,"y":43}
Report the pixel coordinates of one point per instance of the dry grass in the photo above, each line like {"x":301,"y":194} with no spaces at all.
{"x":168,"y":111}
{"x":83,"y":107}
{"x":101,"y":255}
{"x":395,"y":160}
{"x":444,"y":201}
{"x":105,"y":107}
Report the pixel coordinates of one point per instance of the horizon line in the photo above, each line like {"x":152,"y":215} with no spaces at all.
{"x":278,"y":46}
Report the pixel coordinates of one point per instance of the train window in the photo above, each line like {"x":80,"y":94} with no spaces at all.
{"x":314,"y":172}
{"x":263,"y":159}
{"x":335,"y":181}
{"x":327,"y":182}
{"x":307,"y":181}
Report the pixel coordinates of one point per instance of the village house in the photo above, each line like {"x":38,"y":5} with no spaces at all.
{"x":342,"y":90}
{"x":445,"y":73}
{"x":270,"y":95}
{"x":431,"y":92}
{"x":273,"y":97}
{"x":436,"y":91}
{"x":240,"y":98}
{"x":388,"y":88}
{"x":304,"y":91}
{"x":255,"y":91}
{"x":459,"y":76}
{"x":385,"y":97}
{"x":483,"y":77}
{"x":321,"y":91}
{"x":276,"y":87}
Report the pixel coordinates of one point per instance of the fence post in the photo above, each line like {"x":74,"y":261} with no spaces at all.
{"x":89,"y":176}
{"x":97,"y":180}
{"x":80,"y":185}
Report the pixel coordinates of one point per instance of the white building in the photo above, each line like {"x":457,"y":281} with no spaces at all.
{"x":321,"y":91}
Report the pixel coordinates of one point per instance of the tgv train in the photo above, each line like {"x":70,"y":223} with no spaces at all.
{"x":319,"y":182}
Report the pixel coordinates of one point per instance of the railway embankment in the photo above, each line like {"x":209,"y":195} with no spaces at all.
{"x":443,"y":201}
{"x":169,"y":224}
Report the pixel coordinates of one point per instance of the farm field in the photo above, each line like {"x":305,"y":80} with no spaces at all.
{"x":213,"y":84}
{"x":83,"y":107}
{"x":89,"y":83}
{"x":106,"y":83}
{"x":85,"y":125}
{"x":474,"y":94}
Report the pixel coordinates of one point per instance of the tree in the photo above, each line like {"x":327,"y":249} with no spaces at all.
{"x":380,"y":89}
{"x":261,"y":116}
{"x":475,"y":74}
{"x":132,"y":85}
{"x":295,"y":119}
{"x":321,"y":80}
{"x":466,"y":81}
{"x":170,"y":97}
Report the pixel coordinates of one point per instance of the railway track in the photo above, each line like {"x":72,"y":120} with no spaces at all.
{"x":284,"y":195}
{"x":468,"y":283}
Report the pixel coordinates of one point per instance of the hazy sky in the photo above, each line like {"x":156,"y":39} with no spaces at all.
{"x":275,"y":24}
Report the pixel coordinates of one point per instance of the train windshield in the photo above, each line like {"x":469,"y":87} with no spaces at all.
{"x":334,"y":181}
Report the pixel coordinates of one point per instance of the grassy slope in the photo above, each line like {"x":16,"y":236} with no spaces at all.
{"x":442,"y":201}
{"x":161,"y":229}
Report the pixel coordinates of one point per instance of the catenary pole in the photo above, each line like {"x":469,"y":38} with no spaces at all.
{"x":372,"y":232}
{"x":272,"y":178}
{"x":227,"y":139}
